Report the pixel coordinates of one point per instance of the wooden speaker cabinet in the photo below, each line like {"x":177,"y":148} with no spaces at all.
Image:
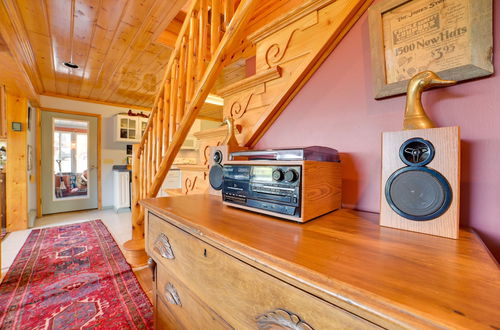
{"x":219,"y":155}
{"x":421,"y":181}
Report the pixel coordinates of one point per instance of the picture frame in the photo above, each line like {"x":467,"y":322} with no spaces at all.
{"x":17,"y":126}
{"x":453,"y":38}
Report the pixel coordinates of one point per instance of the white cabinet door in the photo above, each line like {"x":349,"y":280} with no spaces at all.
{"x":121,"y":187}
{"x":128,"y":128}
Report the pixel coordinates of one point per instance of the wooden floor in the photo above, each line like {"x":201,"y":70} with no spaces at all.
{"x":145,"y":280}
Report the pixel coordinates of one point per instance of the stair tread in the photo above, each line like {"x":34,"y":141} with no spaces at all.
{"x":252,"y":81}
{"x":192,"y":167}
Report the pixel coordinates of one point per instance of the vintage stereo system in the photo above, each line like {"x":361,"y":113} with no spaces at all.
{"x":296,"y":184}
{"x":420,"y":181}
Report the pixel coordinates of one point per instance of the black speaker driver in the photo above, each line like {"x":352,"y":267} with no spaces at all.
{"x":217,"y":156}
{"x":215,"y":176}
{"x":416,"y":152}
{"x":418,"y":193}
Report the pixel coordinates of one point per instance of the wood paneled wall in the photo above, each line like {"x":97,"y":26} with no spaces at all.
{"x":16,"y":169}
{"x":3,"y":112}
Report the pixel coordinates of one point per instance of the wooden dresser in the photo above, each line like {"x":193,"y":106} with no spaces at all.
{"x":218,"y":267}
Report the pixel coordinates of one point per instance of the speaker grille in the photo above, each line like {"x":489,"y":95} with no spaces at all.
{"x":418,"y":193}
{"x":215,"y":176}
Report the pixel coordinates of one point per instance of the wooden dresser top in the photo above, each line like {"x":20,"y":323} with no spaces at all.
{"x":413,"y":279}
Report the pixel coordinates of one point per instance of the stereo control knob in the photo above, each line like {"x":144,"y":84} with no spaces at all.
{"x":291,"y":176}
{"x":278,"y":174}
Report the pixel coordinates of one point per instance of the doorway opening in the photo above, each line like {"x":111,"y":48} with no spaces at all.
{"x":69,"y":161}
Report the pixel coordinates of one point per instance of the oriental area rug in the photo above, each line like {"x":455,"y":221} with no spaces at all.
{"x":72,"y":277}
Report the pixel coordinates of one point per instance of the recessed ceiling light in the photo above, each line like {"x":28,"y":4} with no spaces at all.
{"x":71,"y":65}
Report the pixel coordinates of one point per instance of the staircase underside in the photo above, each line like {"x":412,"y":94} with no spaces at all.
{"x":288,"y":52}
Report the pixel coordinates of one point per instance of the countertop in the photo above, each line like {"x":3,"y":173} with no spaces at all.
{"x":122,"y":168}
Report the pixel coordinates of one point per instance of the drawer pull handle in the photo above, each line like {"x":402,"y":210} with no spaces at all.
{"x":283,"y":319}
{"x":163,"y":247}
{"x":152,"y":267}
{"x":172,"y":295}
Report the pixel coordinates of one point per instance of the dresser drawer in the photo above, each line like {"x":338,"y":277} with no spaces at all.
{"x":178,"y":308}
{"x":243,"y":295}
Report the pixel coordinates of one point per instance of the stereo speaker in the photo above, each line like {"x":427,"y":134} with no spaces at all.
{"x":421,"y":181}
{"x":219,"y":155}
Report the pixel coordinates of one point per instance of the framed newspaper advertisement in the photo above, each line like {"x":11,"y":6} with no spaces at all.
{"x":453,"y":38}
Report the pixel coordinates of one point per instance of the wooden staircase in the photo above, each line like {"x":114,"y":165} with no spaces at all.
{"x":212,"y":29}
{"x":288,"y":49}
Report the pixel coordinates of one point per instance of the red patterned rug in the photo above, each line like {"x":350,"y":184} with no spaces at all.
{"x":3,"y":234}
{"x":72,"y":277}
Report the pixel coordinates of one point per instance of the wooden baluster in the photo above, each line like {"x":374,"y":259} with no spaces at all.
{"x":215,"y":26}
{"x":159,"y":134}
{"x":144,"y":172}
{"x":136,"y":172}
{"x":145,"y":153}
{"x":191,"y":57}
{"x":137,"y":229}
{"x":166,"y":118}
{"x":153,"y":141}
{"x":202,"y":39}
{"x":173,"y":99}
{"x":149,"y":163}
{"x":141,"y":174}
{"x":228,"y":12}
{"x":181,"y":96}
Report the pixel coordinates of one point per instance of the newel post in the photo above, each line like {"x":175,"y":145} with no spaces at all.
{"x":134,"y":249}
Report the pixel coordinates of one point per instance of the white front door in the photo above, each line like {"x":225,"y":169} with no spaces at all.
{"x":68,"y":162}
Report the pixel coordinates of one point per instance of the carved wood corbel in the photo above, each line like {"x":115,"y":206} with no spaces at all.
{"x":189,"y":184}
{"x":240,"y":105}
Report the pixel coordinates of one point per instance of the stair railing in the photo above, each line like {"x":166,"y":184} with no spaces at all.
{"x":211,"y":30}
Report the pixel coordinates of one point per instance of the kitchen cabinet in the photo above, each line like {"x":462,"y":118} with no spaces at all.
{"x":129,"y":128}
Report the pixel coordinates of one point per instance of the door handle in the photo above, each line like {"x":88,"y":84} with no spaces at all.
{"x":93,"y":167}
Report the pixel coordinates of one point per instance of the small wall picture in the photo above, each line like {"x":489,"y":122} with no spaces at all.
{"x":17,"y":126}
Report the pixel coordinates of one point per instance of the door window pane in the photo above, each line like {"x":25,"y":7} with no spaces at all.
{"x":81,"y":152}
{"x":70,"y":158}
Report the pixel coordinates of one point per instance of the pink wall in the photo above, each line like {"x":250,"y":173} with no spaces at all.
{"x":336,"y":108}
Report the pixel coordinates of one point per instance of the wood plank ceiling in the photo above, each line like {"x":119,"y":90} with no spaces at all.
{"x":12,"y":76}
{"x":112,"y":42}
